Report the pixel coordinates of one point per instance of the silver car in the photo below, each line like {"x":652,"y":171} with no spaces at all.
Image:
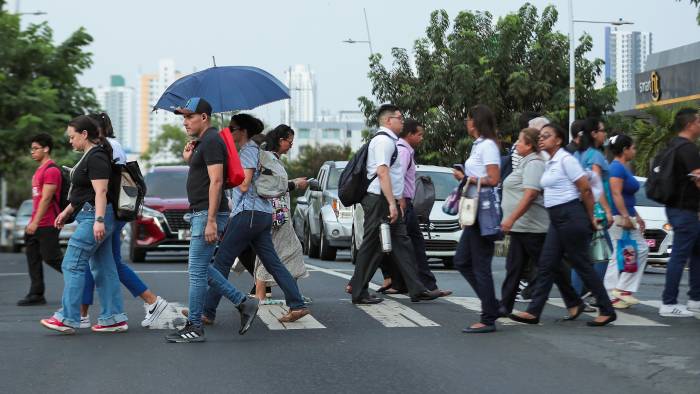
{"x":24,"y":215}
{"x":325,"y":225}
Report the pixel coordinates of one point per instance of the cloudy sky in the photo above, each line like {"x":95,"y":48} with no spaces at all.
{"x":130,"y":36}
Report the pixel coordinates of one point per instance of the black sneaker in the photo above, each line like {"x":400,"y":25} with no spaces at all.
{"x":32,"y":299}
{"x":188,"y":333}
{"x":247,"y":309}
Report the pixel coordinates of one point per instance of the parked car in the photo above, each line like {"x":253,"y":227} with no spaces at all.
{"x":658,"y":232}
{"x":322,"y":223}
{"x":163,"y":224}
{"x":441,"y":234}
{"x":24,"y":215}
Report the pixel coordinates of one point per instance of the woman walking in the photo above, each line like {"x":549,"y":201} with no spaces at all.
{"x":474,"y":251}
{"x":279,"y":141}
{"x":154,"y":305}
{"x":623,"y":186}
{"x":569,"y":202}
{"x":90,"y":246}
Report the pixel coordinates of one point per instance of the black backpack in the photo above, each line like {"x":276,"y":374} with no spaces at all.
{"x":353,"y":182}
{"x":424,"y":199}
{"x":65,"y":187}
{"x":661,"y":183}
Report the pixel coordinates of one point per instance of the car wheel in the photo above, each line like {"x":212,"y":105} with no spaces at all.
{"x":448,"y":262}
{"x":353,"y":246}
{"x":311,"y":247}
{"x":137,"y":255}
{"x":327,"y":252}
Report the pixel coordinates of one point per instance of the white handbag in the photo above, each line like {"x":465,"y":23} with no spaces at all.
{"x":468,"y":206}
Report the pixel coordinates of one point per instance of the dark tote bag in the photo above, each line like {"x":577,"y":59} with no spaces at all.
{"x":489,"y":215}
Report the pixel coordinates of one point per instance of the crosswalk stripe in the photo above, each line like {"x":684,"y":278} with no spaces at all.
{"x":474,"y":304}
{"x":391,"y":313}
{"x":623,"y":318}
{"x":338,"y":274}
{"x":270,"y":313}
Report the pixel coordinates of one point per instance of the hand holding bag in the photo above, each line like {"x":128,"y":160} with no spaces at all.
{"x":626,"y":253}
{"x":451,"y":204}
{"x":469,"y":206}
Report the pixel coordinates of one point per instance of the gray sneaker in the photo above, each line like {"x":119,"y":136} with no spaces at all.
{"x":248,"y":309}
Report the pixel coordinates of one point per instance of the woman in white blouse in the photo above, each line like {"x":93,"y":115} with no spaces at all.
{"x":475,"y":252}
{"x":569,"y":202}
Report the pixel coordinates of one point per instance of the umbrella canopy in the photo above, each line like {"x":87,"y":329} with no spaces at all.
{"x":229,"y":88}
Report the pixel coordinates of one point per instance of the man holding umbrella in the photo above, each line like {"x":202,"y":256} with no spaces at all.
{"x":206,"y":156}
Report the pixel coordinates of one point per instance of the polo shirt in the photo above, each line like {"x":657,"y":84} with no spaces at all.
{"x":559,"y":177}
{"x":379,"y":152}
{"x":526,"y":176}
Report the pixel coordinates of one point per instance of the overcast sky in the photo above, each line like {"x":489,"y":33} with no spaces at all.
{"x":130,"y":36}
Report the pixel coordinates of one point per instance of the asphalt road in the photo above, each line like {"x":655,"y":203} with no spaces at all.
{"x":397,"y":347}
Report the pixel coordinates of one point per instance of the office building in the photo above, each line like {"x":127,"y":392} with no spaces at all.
{"x":119,"y":101}
{"x":626,"y":55}
{"x":301,"y":107}
{"x":151,"y":88}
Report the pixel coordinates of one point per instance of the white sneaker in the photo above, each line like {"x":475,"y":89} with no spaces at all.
{"x":153,"y":311}
{"x":694,"y":306}
{"x":676,"y":310}
{"x":85,"y":321}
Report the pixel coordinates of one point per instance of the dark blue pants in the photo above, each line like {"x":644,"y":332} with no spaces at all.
{"x":425,"y":275}
{"x":686,"y":249}
{"x":473,"y":260}
{"x":524,"y":247}
{"x":569,"y":235}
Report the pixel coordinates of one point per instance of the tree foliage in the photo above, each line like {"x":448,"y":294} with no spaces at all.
{"x":39,"y":92}
{"x":515,"y":64}
{"x":167,"y":147}
{"x":312,"y":157}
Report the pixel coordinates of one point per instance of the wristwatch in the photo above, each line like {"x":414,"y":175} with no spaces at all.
{"x":100,"y":219}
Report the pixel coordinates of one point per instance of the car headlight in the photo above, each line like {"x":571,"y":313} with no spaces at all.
{"x":667,"y":227}
{"x":147,"y":212}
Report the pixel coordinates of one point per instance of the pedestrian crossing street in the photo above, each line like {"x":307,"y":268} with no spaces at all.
{"x":396,"y":312}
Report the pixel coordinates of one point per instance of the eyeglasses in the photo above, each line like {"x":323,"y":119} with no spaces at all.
{"x":400,"y":118}
{"x":545,"y":136}
{"x":234,"y":128}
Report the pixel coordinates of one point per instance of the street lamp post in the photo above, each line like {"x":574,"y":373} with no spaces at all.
{"x":572,"y":58}
{"x":368,"y":41}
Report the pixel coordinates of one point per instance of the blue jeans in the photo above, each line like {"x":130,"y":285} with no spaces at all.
{"x":248,"y":228}
{"x":200,"y":256}
{"x":84,"y":253}
{"x":127,"y":276}
{"x":686,"y":248}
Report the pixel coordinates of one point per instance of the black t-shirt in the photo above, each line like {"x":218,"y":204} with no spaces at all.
{"x":687,"y":159}
{"x":95,"y":164}
{"x":209,"y":150}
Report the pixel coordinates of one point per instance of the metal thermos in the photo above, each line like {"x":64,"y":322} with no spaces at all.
{"x":385,"y":237}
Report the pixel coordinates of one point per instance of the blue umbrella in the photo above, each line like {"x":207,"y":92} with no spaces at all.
{"x":228,"y":88}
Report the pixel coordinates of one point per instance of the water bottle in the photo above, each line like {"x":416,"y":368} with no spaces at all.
{"x":385,"y":236}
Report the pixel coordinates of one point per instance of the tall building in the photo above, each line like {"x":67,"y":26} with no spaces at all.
{"x":626,"y":55}
{"x":119,"y":101}
{"x":301,"y":107}
{"x":151,"y":88}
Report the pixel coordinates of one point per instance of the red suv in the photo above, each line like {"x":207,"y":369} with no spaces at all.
{"x":164,"y":222}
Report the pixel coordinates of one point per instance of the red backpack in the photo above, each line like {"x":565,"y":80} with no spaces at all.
{"x":234,"y":170}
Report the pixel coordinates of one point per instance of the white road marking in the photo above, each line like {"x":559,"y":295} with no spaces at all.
{"x":474,"y":304}
{"x":339,"y":275}
{"x":13,"y":274}
{"x":391,"y":313}
{"x":623,"y":318}
{"x":270,"y":313}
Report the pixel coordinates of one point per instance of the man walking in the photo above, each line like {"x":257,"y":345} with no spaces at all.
{"x":40,"y":235}
{"x":206,"y":156}
{"x":683,"y":212}
{"x":380,"y":204}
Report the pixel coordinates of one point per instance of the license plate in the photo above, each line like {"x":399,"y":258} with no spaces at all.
{"x":651,"y":243}
{"x":184,"y":234}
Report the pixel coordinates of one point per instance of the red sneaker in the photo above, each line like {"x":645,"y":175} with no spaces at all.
{"x":119,"y":327}
{"x":54,"y":324}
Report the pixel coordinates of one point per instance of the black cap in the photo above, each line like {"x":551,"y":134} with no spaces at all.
{"x":195,"y":105}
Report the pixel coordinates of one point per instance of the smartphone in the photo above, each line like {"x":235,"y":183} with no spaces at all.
{"x":310,"y":179}
{"x":696,"y":176}
{"x":459,"y":167}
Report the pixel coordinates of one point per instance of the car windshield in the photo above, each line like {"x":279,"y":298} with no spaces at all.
{"x":333,"y":178}
{"x":166,"y":184}
{"x":444,"y":182}
{"x":25,"y":209}
{"x":642,"y":199}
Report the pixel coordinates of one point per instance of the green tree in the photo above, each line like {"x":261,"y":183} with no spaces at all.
{"x":169,"y":144}
{"x":39,"y":92}
{"x":514,"y":65}
{"x":312,"y":157}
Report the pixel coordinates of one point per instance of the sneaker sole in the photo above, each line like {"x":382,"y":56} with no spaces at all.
{"x":155,"y":315}
{"x":85,"y":325}
{"x":62,"y":330}
{"x":112,"y":330}
{"x":183,"y":340}
{"x":674,"y":315}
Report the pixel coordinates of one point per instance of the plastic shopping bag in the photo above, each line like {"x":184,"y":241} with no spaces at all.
{"x":626,"y":253}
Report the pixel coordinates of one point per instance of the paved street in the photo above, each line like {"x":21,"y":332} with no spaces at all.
{"x":396,"y":346}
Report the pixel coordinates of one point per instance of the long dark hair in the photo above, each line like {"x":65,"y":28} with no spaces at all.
{"x":104,"y":123}
{"x":484,"y":121}
{"x":281,"y":132}
{"x":249,"y":123}
{"x":86,"y":123}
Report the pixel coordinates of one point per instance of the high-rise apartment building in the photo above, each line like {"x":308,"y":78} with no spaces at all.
{"x":301,"y":107}
{"x":151,"y":88}
{"x":625,"y":55}
{"x":119,"y":101}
